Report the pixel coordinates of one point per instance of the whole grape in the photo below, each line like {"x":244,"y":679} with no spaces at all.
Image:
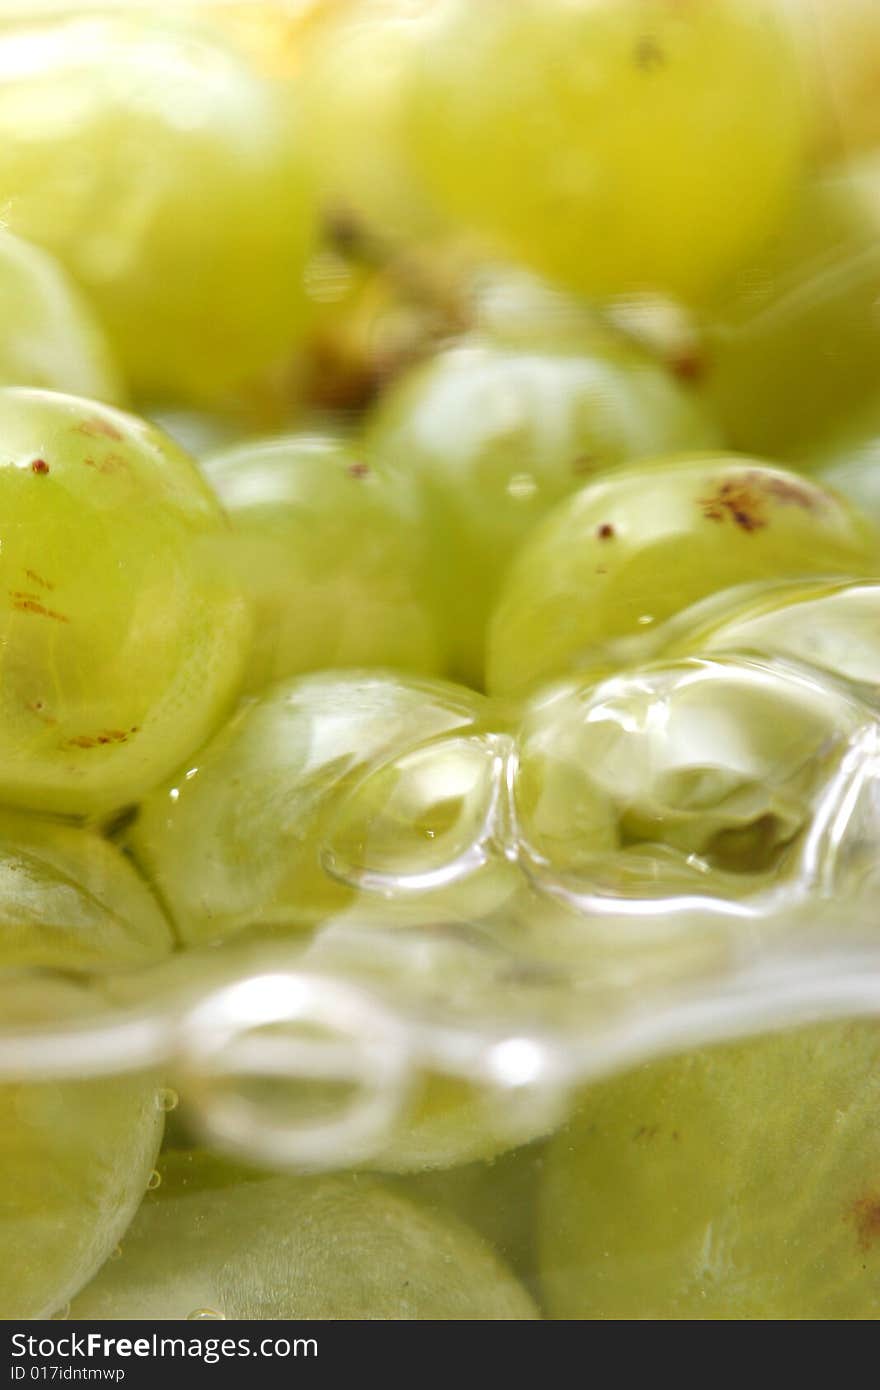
{"x":487,"y":436}
{"x":356,"y":60}
{"x":75,"y":1158}
{"x":123,"y":637}
{"x":212,"y":1242}
{"x":608,"y":143}
{"x":736,"y":1182}
{"x":791,"y":340}
{"x":49,"y":336}
{"x":166,"y":174}
{"x":327,"y":554}
{"x":386,"y":775}
{"x":69,"y":900}
{"x":639,"y":545}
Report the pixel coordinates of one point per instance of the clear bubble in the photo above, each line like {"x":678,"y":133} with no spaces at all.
{"x":167,"y":1099}
{"x":205,"y":1315}
{"x":154,"y":1180}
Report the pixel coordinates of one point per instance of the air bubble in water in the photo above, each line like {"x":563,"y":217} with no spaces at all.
{"x":205,"y":1315}
{"x":167,"y":1100}
{"x":154,"y":1180}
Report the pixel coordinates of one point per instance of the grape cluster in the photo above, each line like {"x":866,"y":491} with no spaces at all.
{"x":440,"y":590}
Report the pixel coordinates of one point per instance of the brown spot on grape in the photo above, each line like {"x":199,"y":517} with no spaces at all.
{"x":605,"y":532}
{"x":648,"y":54}
{"x":741,"y":498}
{"x":95,"y":427}
{"x":358,"y":470}
{"x":866,"y":1217}
{"x":105,"y":736}
{"x":27,"y":604}
{"x":688,"y":365}
{"x":585,"y":465}
{"x":38,"y":579}
{"x":646,"y":1132}
{"x":113,"y":463}
{"x":744,"y":498}
{"x":40,"y":466}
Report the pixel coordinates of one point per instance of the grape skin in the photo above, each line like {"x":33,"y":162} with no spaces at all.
{"x":123,"y":639}
{"x":792,"y":340}
{"x":356,"y":61}
{"x":327,"y":557}
{"x":331,"y":1248}
{"x":487,"y":436}
{"x":641,"y":544}
{"x":75,"y":1158}
{"x":166,"y":175}
{"x":49,"y":336}
{"x":637,"y":162}
{"x":236,"y":839}
{"x":69,"y":900}
{"x":731,"y":1183}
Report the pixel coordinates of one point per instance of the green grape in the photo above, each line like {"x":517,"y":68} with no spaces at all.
{"x":639,"y":545}
{"x":164,"y":172}
{"x":609,"y":144}
{"x":497,"y":1199}
{"x":466,"y":972}
{"x":386,"y":777}
{"x":123,"y":640}
{"x":327,"y":557}
{"x":692,"y":776}
{"x":70,"y":900}
{"x":355,"y":63}
{"x":75,"y":1159}
{"x":847,"y":460}
{"x":731,"y":1183}
{"x":212,"y":1243}
{"x":792,"y":341}
{"x":49,"y":337}
{"x":833,"y":627}
{"x":487,"y":437}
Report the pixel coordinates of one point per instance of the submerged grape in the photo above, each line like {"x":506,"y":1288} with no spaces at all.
{"x":331,"y":1248}
{"x":75,"y":1159}
{"x":71,"y":901}
{"x":735,"y":1182}
{"x":375,"y":777}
